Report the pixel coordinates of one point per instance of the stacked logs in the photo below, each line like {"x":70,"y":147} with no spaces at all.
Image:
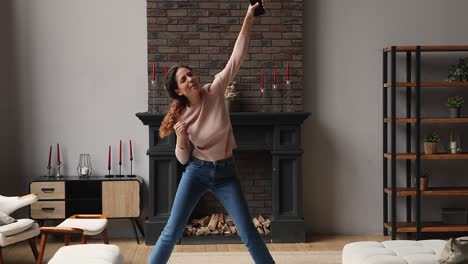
{"x":221,"y":224}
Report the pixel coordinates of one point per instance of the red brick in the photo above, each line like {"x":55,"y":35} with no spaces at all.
{"x":177,"y":13}
{"x":209,"y":20}
{"x":188,"y":20}
{"x":209,"y":5}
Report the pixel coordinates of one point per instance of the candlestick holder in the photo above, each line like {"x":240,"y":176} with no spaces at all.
{"x":120,"y":171}
{"x":58,"y":175}
{"x":109,"y":175}
{"x":49,"y":171}
{"x":153,"y":98}
{"x":288,"y":84}
{"x":262,"y":99}
{"x":131,"y":175}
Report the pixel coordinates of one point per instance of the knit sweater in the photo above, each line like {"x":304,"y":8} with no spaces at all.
{"x":208,"y":124}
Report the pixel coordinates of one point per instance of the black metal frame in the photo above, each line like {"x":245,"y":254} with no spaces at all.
{"x":393,"y":179}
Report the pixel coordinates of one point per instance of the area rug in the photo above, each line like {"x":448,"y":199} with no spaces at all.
{"x":281,"y":257}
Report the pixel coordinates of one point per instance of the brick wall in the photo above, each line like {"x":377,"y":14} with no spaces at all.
{"x":201,"y":34}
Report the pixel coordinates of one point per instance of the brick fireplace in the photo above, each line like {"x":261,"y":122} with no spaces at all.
{"x":270,"y":153}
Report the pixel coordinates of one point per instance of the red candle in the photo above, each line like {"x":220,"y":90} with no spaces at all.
{"x":287,"y":72}
{"x":274,"y":76}
{"x":154,"y":72}
{"x":131,"y":150}
{"x":50,"y":156}
{"x":58,"y":153}
{"x":109,"y":159}
{"x":120,"y":152}
{"x":262,"y":80}
{"x":165,"y":71}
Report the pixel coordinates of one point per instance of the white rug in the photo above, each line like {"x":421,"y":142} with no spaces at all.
{"x":280,"y":257}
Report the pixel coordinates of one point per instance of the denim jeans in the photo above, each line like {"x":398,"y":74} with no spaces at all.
{"x":219,"y":177}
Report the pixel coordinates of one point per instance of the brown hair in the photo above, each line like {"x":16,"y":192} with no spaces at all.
{"x":178,"y":104}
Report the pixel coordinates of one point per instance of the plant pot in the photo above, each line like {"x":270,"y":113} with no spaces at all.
{"x":430,"y":147}
{"x":423,"y":183}
{"x":454,"y":112}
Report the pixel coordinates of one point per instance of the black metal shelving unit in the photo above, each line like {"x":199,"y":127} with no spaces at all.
{"x":390,"y":84}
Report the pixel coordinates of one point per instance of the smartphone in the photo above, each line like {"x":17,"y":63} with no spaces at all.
{"x":259,"y":10}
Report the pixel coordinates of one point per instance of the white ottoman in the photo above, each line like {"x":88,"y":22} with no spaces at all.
{"x":90,"y":224}
{"x":89,"y":254}
{"x":393,"y":252}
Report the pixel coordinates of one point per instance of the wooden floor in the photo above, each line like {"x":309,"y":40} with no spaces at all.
{"x":20,"y":253}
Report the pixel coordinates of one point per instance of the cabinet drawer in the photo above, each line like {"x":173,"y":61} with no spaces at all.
{"x":49,"y":190}
{"x":48,"y":210}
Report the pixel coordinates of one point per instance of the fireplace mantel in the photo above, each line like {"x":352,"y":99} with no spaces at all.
{"x":279,"y":133}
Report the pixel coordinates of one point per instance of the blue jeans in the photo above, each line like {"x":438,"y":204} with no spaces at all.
{"x":219,"y":177}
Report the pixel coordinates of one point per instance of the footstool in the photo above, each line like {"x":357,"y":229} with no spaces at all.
{"x":90,"y":224}
{"x":393,"y":252}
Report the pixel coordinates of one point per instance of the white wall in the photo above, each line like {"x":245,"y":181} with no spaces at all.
{"x":342,"y":139}
{"x":81,"y":77}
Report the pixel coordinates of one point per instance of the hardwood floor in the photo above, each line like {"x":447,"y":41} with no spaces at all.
{"x":20,"y":253}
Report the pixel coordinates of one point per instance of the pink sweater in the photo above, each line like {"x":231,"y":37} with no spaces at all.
{"x":208,"y":124}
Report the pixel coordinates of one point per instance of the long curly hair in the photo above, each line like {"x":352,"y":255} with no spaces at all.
{"x":177,"y":105}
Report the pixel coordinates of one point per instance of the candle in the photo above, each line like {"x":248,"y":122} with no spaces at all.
{"x":58,"y":153}
{"x":154,"y":72}
{"x":274,"y":76}
{"x":287,"y":72}
{"x":50,"y":156}
{"x":120,"y":152}
{"x":165,"y":71}
{"x":262,"y":80}
{"x":109,"y":159}
{"x":131,"y":150}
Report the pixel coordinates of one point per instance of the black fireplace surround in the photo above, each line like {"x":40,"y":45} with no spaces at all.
{"x":279,"y":133}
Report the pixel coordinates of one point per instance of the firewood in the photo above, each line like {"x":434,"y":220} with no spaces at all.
{"x":266,"y":223}
{"x":233,"y":229}
{"x":199,"y":232}
{"x":261,"y":219}
{"x":267,"y":230}
{"x":228,"y":220}
{"x":256,"y":223}
{"x":213,"y":221}
{"x":204,"y":221}
{"x":260,"y":230}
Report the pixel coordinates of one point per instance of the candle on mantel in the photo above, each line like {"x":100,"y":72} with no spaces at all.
{"x":153,"y":76}
{"x":287,"y":72}
{"x":274,"y":76}
{"x":165,"y":71}
{"x":58,"y":154}
{"x":109,"y":159}
{"x":50,"y":156}
{"x":262,"y":80}
{"x":120,"y":153}
{"x":131,"y":150}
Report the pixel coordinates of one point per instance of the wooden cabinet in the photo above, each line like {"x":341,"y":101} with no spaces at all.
{"x":410,"y":90}
{"x":60,"y":198}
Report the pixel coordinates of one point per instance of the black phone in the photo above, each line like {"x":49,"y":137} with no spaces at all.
{"x":259,"y":10}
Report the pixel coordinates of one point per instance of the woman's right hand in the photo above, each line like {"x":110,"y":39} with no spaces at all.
{"x":181,"y":131}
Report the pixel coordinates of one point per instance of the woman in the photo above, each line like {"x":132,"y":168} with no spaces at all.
{"x":198,"y":115}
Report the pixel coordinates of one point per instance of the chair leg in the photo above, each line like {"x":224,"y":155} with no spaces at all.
{"x":66,"y":239}
{"x":41,"y":248}
{"x":84,"y":239}
{"x":105,"y":237}
{"x":1,"y":256}
{"x":32,"y":244}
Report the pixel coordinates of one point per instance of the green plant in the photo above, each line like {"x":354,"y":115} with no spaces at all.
{"x":432,"y":137}
{"x":459,"y":72}
{"x":455,"y":101}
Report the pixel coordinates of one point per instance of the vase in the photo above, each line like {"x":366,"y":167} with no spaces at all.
{"x":84,"y":165}
{"x":423,"y":183}
{"x":454,"y":112}
{"x":430,"y":147}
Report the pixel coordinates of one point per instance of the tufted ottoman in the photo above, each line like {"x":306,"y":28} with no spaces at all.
{"x":393,"y":252}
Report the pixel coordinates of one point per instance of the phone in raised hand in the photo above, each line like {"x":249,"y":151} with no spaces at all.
{"x":259,"y":10}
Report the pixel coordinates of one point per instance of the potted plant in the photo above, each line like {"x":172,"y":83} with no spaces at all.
{"x":230,"y":94}
{"x":424,"y":182}
{"x":454,"y":104}
{"x":430,"y":143}
{"x":459,"y":72}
